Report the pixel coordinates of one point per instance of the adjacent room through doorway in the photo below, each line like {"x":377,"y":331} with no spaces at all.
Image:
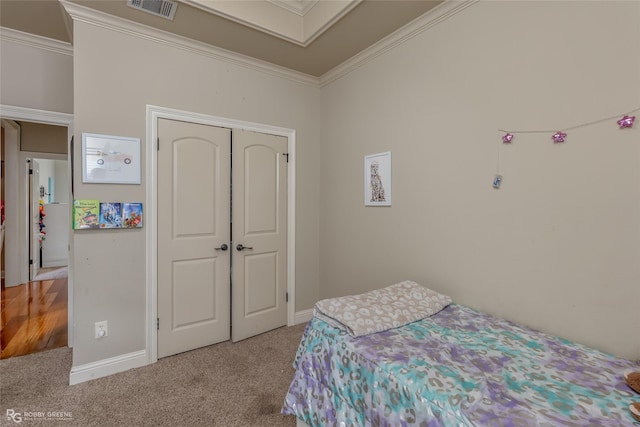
{"x":35,"y":237}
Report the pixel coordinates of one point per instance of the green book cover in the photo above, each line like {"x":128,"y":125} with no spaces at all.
{"x":86,"y":213}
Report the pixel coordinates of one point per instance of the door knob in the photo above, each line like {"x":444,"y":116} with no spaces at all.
{"x":240,"y":247}
{"x":223,"y":247}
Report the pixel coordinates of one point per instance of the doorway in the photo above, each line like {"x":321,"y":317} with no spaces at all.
{"x":25,"y":141}
{"x":154,"y":114}
{"x":48,"y":195}
{"x":15,"y":182}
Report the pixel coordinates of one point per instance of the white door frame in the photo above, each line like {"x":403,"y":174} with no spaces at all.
{"x":14,"y":229}
{"x":151,"y":210}
{"x":11,"y":112}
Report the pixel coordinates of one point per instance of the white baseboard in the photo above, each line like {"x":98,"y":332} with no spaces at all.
{"x":60,"y":262}
{"x":106,"y":367}
{"x":114,"y":365}
{"x":303,"y":316}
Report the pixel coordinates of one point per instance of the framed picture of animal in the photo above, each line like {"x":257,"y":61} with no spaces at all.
{"x":377,"y":179}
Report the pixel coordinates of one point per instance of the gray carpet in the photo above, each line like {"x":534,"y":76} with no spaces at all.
{"x":229,"y":385}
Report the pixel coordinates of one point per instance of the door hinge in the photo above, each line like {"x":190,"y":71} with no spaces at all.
{"x":158,"y":144}
{"x":157,"y":323}
{"x":30,"y":262}
{"x":286,"y":156}
{"x":30,"y":171}
{"x":286,"y":298}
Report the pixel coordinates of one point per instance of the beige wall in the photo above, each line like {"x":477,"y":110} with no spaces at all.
{"x":35,"y":78}
{"x":557,"y":247}
{"x":116,"y":76}
{"x":42,"y":138}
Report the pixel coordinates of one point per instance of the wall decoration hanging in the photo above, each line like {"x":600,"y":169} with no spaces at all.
{"x":110,"y":159}
{"x":377,"y":179}
{"x":497,"y":180}
{"x":558,"y":136}
{"x":41,"y":224}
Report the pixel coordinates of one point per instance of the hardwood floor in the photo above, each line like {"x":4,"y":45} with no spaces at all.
{"x":33,"y":317}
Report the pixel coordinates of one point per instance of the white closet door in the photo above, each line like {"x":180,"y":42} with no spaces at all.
{"x":259,"y":230}
{"x":193,"y":232}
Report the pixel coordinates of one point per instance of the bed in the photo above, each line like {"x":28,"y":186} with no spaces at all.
{"x":457,"y":367}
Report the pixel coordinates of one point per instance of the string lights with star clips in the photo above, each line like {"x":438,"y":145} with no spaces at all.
{"x":560,"y":136}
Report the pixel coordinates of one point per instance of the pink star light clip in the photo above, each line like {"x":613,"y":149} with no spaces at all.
{"x":507,"y":138}
{"x":626,"y":121}
{"x":559,"y":137}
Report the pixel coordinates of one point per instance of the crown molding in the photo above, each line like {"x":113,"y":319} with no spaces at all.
{"x":300,"y":8}
{"x":433,"y":17}
{"x":290,"y":36}
{"x":80,"y":13}
{"x":310,"y":38}
{"x":103,"y":20}
{"x":301,"y":34}
{"x":13,"y":112}
{"x":39,"y":42}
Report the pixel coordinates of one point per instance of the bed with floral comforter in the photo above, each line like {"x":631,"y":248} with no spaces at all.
{"x":458,"y":367}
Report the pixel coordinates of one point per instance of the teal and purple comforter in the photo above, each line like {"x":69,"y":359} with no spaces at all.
{"x":459,"y":367}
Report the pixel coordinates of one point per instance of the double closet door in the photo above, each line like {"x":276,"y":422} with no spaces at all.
{"x":222,"y":221}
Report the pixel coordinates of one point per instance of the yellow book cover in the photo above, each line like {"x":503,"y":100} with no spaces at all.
{"x":86,"y":214}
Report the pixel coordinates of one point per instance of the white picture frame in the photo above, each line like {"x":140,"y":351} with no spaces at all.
{"x":377,"y":179}
{"x":108,"y":159}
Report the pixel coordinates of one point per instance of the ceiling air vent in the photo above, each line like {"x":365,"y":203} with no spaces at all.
{"x":163,"y":8}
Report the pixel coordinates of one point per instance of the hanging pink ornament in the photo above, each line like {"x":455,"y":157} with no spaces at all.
{"x":559,"y":136}
{"x":507,"y":138}
{"x":626,"y":121}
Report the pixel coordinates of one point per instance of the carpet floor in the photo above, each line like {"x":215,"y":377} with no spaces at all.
{"x":227,"y":385}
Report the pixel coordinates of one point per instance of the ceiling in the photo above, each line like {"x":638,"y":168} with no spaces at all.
{"x":309,"y":36}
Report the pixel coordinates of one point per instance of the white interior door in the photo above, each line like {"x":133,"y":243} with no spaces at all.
{"x":193,"y":232}
{"x":34,"y":201}
{"x":259,"y":279}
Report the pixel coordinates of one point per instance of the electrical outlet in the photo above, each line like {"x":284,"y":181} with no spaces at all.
{"x":102,"y":330}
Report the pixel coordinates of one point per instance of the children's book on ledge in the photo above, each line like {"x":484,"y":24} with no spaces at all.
{"x":110,"y":215}
{"x":86,"y":213}
{"x":132,"y":215}
{"x":91,"y":213}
